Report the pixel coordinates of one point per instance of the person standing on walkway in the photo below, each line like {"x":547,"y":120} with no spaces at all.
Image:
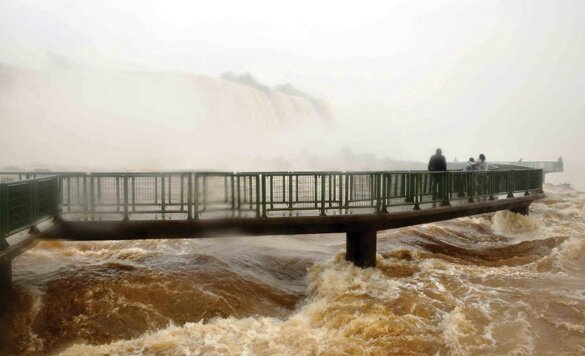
{"x":469,"y":165}
{"x":437,"y":163}
{"x":480,"y":164}
{"x":482,"y":179}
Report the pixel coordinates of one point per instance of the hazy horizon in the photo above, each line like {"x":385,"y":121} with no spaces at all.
{"x":400,"y":78}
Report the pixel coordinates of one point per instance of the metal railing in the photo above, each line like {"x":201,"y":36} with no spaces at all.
{"x":193,"y":195}
{"x":547,"y":166}
{"x":25,"y":203}
{"x":207,"y":195}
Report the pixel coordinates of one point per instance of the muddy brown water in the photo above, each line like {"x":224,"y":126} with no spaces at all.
{"x":491,"y":284}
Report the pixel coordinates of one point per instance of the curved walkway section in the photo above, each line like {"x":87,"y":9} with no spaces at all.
{"x":118,"y":206}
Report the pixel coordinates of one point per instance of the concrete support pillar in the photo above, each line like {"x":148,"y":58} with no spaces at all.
{"x":522,"y":210}
{"x":361,"y":248}
{"x":5,"y":277}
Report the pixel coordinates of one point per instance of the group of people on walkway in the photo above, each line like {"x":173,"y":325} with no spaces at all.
{"x":477,"y":165}
{"x":437,"y":163}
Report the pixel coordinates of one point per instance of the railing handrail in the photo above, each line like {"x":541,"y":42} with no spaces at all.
{"x":378,"y":171}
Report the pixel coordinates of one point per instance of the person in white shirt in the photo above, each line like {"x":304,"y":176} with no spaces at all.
{"x":482,"y":179}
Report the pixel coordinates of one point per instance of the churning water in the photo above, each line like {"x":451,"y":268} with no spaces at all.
{"x":491,"y":284}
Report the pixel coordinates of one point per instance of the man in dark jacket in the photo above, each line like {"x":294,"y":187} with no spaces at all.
{"x":437,"y":163}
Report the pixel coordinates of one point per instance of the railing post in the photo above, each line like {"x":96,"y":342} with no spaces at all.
{"x":91,"y":196}
{"x":340,"y":176}
{"x":491,"y":177}
{"x":510,"y":184}
{"x":204,"y":191}
{"x":99,"y":190}
{"x":170,"y":189}
{"x":417,"y":181}
{"x":34,"y":205}
{"x":225,"y":190}
{"x":331,"y":189}
{"x":69,"y":193}
{"x":378,"y":190}
{"x":85,"y":197}
{"x":297,"y":188}
{"x":471,"y":186}
{"x":322,"y":195}
{"x":372,"y":180}
{"x":386,"y":180}
{"x":271,"y":193}
{"x":411,"y":187}
{"x":283,"y":189}
{"x":182,"y":178}
{"x":3,"y":216}
{"x":258,"y":204}
{"x":118,"y":194}
{"x":58,"y":198}
{"x":290,"y":192}
{"x":134,"y":194}
{"x":126,"y":217}
{"x":459,"y":184}
{"x":163,"y":195}
{"x":264,"y":214}
{"x":233,"y":193}
{"x":450,"y":187}
{"x":316,"y":198}
{"x":239,"y":194}
{"x":156,"y":190}
{"x":190,"y":197}
{"x":250,"y":191}
{"x":195,"y":196}
{"x":446,"y":188}
{"x":346,"y":199}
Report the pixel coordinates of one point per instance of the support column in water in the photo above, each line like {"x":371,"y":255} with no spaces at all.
{"x":5,"y":276}
{"x":521,"y":210}
{"x":361,"y":248}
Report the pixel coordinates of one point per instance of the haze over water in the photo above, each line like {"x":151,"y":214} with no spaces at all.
{"x":171,"y":85}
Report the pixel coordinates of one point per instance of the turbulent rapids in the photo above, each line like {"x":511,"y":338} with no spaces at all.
{"x":496,"y":283}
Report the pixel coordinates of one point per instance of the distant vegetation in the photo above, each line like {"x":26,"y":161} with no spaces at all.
{"x":287,"y":89}
{"x":248,"y":79}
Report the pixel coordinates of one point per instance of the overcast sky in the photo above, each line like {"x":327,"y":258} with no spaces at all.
{"x":506,"y":78}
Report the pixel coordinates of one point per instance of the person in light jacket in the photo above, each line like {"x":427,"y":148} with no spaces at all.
{"x":469,"y":165}
{"x":482,"y":179}
{"x":480,"y":164}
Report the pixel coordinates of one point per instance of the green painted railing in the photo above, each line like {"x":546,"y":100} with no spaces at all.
{"x":25,"y":203}
{"x":194,"y":195}
{"x":547,"y":166}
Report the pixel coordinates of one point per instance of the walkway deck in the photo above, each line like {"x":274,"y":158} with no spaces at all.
{"x":122,"y":205}
{"x":131,"y":230}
